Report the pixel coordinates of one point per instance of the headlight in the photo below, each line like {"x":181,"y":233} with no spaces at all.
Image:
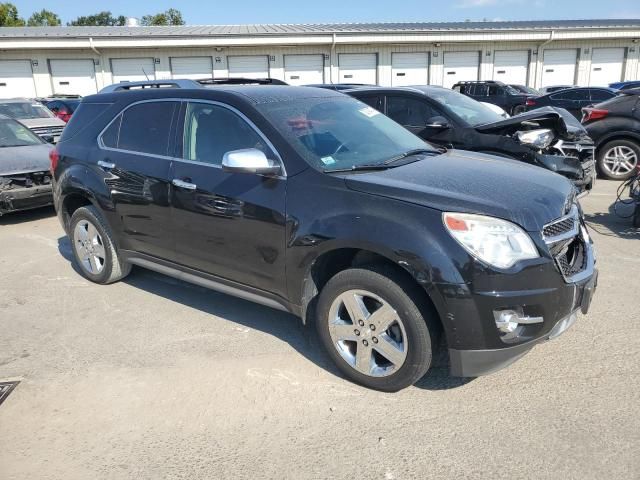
{"x":540,"y":138}
{"x":496,"y":242}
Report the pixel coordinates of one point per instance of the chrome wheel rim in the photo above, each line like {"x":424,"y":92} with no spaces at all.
{"x":367,"y":333}
{"x":620,"y":160}
{"x":89,"y":247}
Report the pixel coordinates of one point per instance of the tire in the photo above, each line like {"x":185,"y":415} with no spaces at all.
{"x":388,"y":360}
{"x":93,"y":247}
{"x":618,"y":159}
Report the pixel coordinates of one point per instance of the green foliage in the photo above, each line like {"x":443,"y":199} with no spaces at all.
{"x":169,"y":17}
{"x":102,"y":19}
{"x":43,"y":18}
{"x":9,"y":16}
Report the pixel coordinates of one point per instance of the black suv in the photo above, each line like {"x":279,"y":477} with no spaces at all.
{"x":309,"y":201}
{"x":615,"y":127}
{"x":547,"y":137}
{"x":505,"y":96}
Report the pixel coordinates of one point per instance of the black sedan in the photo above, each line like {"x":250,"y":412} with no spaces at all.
{"x":547,"y":137}
{"x":573,"y":99}
{"x":614,"y":126}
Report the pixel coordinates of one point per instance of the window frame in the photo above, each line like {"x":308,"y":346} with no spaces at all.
{"x":179,"y":132}
{"x":119,"y":117}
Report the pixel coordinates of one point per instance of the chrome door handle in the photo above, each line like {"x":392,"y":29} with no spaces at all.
{"x":106,"y":165}
{"x":182,"y":184}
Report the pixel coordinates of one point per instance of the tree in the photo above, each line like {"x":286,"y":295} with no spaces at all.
{"x":43,"y":18}
{"x":169,"y":17}
{"x":102,"y":19}
{"x":9,"y":16}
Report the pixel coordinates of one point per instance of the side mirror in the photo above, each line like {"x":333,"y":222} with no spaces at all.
{"x":249,"y":160}
{"x":437,"y":122}
{"x":48,"y":138}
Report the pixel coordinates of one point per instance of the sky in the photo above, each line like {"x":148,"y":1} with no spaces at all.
{"x":217,"y":12}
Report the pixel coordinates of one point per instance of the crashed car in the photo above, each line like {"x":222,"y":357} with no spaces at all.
{"x":548,"y":137}
{"x":25,"y":180}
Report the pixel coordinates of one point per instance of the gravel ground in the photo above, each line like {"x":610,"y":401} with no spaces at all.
{"x":152,"y":378}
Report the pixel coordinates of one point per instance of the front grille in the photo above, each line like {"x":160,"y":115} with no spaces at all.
{"x":568,"y":245}
{"x":559,"y":228}
{"x":582,"y":151}
{"x":54,"y":131}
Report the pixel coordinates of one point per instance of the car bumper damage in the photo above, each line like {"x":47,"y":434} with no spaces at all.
{"x":25,"y":191}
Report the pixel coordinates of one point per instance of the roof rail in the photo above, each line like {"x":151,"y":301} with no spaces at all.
{"x":240,"y":81}
{"x":125,"y":86}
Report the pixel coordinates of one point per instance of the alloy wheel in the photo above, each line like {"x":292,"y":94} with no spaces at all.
{"x":367,"y":333}
{"x":620,"y":160}
{"x":89,"y":247}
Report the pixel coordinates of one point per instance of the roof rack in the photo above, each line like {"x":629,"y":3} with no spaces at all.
{"x":240,"y":81}
{"x":496,"y":82}
{"x":126,"y":86}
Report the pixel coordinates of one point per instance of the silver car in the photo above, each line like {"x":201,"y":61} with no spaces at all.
{"x":38,"y":118}
{"x":25,"y":180}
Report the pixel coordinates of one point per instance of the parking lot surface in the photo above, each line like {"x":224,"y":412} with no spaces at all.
{"x":152,"y":378}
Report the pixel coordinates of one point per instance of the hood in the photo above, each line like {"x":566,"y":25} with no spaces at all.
{"x":563,"y":123}
{"x":18,"y":160}
{"x":42,"y":122}
{"x":460,"y":181}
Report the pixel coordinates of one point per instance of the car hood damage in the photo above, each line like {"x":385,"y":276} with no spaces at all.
{"x":24,"y":159}
{"x":460,"y":181}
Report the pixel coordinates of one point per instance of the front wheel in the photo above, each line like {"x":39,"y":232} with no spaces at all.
{"x":375,"y":328}
{"x":618,"y":159}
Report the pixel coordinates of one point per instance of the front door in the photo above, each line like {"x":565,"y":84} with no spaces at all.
{"x":231,"y":225}
{"x":134,"y":150}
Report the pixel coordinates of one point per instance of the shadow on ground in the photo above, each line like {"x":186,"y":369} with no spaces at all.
{"x":282,"y":325}
{"x":25,"y":216}
{"x":616,"y":222}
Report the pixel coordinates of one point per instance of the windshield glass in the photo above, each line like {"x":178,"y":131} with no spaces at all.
{"x":13,"y":134}
{"x":339,"y":133}
{"x":468,"y":109}
{"x":25,"y":110}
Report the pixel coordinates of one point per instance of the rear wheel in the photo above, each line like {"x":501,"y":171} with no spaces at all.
{"x":371,"y":323}
{"x":94,"y":249}
{"x":618,"y":159}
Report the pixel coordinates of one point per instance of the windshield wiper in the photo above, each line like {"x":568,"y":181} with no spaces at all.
{"x":409,"y":153}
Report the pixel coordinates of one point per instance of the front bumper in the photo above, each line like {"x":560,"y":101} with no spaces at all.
{"x":25,"y":198}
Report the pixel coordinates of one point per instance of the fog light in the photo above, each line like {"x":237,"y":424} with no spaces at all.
{"x":507,"y":321}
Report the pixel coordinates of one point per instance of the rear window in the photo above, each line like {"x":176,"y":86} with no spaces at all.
{"x":84,"y":115}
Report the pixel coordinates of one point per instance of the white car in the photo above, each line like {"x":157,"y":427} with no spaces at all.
{"x":35,"y":116}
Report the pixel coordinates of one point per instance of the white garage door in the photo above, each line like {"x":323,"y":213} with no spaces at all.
{"x":606,"y":66}
{"x":73,"y":77}
{"x":16,"y":79}
{"x":409,"y":69}
{"x":358,"y":68}
{"x":559,"y":67}
{"x":132,"y":69}
{"x":191,"y":67}
{"x":249,"y":66}
{"x":303,"y":69}
{"x":511,"y":66}
{"x":460,"y":67}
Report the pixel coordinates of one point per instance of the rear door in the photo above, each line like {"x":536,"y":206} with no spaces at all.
{"x":134,"y":151}
{"x":230,"y":225}
{"x":571,"y":99}
{"x":497,"y":95}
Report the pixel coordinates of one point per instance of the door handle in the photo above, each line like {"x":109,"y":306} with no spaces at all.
{"x":182,"y":184}
{"x":106,"y":165}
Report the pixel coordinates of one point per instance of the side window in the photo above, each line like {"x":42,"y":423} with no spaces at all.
{"x":110,"y":135}
{"x":53,"y":106}
{"x":571,"y":95}
{"x":374,"y":101}
{"x":210,"y":131}
{"x":409,"y":112}
{"x":601,"y":95}
{"x":496,"y":90}
{"x":146,"y":128}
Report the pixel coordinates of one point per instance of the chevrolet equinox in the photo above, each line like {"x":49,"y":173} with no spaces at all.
{"x":309,"y":201}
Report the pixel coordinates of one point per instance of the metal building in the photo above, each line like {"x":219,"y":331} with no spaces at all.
{"x":39,"y":61}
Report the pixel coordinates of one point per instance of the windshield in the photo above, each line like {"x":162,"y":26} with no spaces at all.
{"x":334,"y":133}
{"x":468,"y":109}
{"x":24,"y":110}
{"x":13,"y":134}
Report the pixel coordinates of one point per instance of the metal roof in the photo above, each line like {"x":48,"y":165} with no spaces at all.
{"x":310,"y":28}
